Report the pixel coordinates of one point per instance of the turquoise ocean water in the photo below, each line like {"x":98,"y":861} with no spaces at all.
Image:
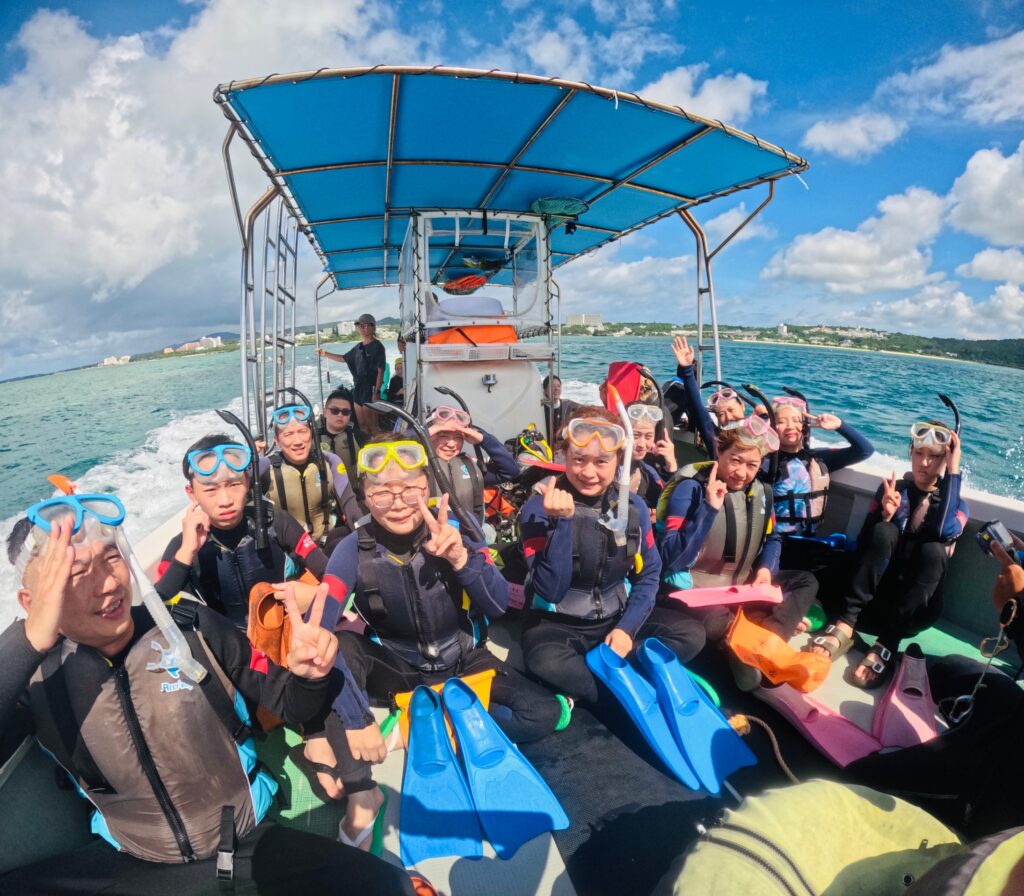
{"x":124,"y":429}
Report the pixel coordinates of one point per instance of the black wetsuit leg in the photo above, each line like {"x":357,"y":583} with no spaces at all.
{"x":271,"y":860}
{"x":799,"y":589}
{"x":554,"y":650}
{"x":873,"y":563}
{"x":682,"y":633}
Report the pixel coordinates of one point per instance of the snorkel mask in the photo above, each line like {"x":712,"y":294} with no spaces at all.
{"x":97,"y":519}
{"x":219,"y":462}
{"x":931,"y":435}
{"x":387,"y":461}
{"x":755,"y":431}
{"x":445,"y":414}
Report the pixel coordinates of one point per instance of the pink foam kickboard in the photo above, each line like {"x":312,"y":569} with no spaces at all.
{"x":727,"y":595}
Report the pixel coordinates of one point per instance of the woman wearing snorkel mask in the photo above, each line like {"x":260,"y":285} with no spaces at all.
{"x":583,"y":588}
{"x":425,"y":592}
{"x":802,"y":479}
{"x":716,"y":528}
{"x":904,"y":548}
{"x":654,"y":458}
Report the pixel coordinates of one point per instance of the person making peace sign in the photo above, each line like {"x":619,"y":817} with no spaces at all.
{"x":904,"y":548}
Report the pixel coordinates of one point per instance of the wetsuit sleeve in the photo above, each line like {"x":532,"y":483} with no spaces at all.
{"x":484,"y":585}
{"x":655,"y":484}
{"x":173,"y":576}
{"x":295,"y":540}
{"x":698,"y":415}
{"x":771,"y":552}
{"x":547,"y":546}
{"x":948,"y":516}
{"x":18,"y":663}
{"x":261,"y":682}
{"x":343,"y":491}
{"x":644,"y":584}
{"x":688,"y":520}
{"x":501,"y":465}
{"x":873,"y":518}
{"x":838,"y":458}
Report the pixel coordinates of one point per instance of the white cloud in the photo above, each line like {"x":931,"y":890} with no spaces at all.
{"x":722,"y":225}
{"x":729,"y":98}
{"x":886,"y":252}
{"x":995,"y":264}
{"x":857,"y":137}
{"x":942,"y":309}
{"x":988,"y":198}
{"x":982,"y":82}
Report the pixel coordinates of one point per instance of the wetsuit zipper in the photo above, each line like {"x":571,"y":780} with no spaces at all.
{"x":774,"y":873}
{"x":774,"y":847}
{"x":174,"y":821}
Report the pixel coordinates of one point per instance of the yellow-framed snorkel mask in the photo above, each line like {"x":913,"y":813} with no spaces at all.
{"x":406,"y":458}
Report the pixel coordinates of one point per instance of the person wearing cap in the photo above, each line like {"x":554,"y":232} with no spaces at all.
{"x":168,"y":762}
{"x":903,"y":551}
{"x":366,"y":362}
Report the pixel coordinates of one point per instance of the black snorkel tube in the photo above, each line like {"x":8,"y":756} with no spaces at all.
{"x":949,"y":403}
{"x":773,"y":464}
{"x":726,"y":385}
{"x":260,"y":536}
{"x":467,"y":520}
{"x":451,"y":393}
{"x":807,"y":429}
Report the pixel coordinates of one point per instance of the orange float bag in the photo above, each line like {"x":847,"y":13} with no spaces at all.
{"x":778,"y":662}
{"x":479,"y":682}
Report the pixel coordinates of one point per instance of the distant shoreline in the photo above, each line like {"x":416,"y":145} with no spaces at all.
{"x":854,"y":348}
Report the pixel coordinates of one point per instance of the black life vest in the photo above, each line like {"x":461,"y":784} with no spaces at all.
{"x":800,"y":489}
{"x":417,"y":609}
{"x":599,"y":565}
{"x":157,"y":755}
{"x":467,"y":482}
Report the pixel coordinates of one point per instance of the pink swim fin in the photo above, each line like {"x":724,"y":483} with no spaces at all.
{"x":905,"y":716}
{"x":834,"y":735}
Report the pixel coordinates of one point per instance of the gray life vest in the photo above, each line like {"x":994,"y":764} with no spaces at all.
{"x":801,"y":488}
{"x":417,"y":609}
{"x":599,"y":565}
{"x":467,"y":483}
{"x":307,"y":495}
{"x":344,"y":445}
{"x":149,"y":749}
{"x":736,"y":536}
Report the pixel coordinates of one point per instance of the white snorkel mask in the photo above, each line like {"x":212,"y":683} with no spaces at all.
{"x":97,"y":519}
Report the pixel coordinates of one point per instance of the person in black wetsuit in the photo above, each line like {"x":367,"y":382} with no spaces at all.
{"x":560,"y":409}
{"x":904,"y":548}
{"x":79,"y":674}
{"x":339,"y":430}
{"x":725,"y":405}
{"x":366,"y":362}
{"x":654,"y":459}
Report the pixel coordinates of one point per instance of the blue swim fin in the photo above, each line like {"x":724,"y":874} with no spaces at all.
{"x":708,"y":742}
{"x":511,"y":798}
{"x":641,"y":702}
{"x":437,"y":817}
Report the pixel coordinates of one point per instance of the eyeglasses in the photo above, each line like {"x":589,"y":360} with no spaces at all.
{"x":753,"y":428}
{"x":284,"y":416}
{"x":409,"y":496}
{"x":930,"y":434}
{"x":583,"y":430}
{"x":444,"y":413}
{"x":408,"y":455}
{"x":106,"y":508}
{"x":640,"y":412}
{"x":341,"y":412}
{"x":206,"y":461}
{"x":722,"y":396}
{"x":781,"y":401}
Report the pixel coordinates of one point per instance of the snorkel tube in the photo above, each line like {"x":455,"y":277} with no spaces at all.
{"x":619,"y":524}
{"x":773,"y":464}
{"x":726,"y":385}
{"x":807,"y":406}
{"x":949,"y":403}
{"x":451,"y":393}
{"x":466,"y":520}
{"x":260,"y":535}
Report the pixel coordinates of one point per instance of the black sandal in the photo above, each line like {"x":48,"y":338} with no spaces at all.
{"x":311,"y":769}
{"x":883,"y":668}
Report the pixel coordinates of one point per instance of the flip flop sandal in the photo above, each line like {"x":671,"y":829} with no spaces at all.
{"x":828,"y":640}
{"x":310,"y":769}
{"x":375,"y":830}
{"x":883,"y":668}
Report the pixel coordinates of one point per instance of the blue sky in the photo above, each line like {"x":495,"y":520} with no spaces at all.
{"x":118,"y":236}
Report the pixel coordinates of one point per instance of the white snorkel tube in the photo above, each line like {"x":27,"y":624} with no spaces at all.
{"x":619,"y":525}
{"x":178,"y":654}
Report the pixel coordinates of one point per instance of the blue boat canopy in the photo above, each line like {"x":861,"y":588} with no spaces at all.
{"x":355,"y":151}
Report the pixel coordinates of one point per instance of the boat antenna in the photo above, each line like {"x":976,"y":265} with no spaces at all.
{"x":949,"y":403}
{"x":773,"y":464}
{"x":451,"y":393}
{"x":254,"y":474}
{"x":467,"y":520}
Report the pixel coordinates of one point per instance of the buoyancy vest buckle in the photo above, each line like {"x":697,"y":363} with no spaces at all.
{"x":226,"y":847}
